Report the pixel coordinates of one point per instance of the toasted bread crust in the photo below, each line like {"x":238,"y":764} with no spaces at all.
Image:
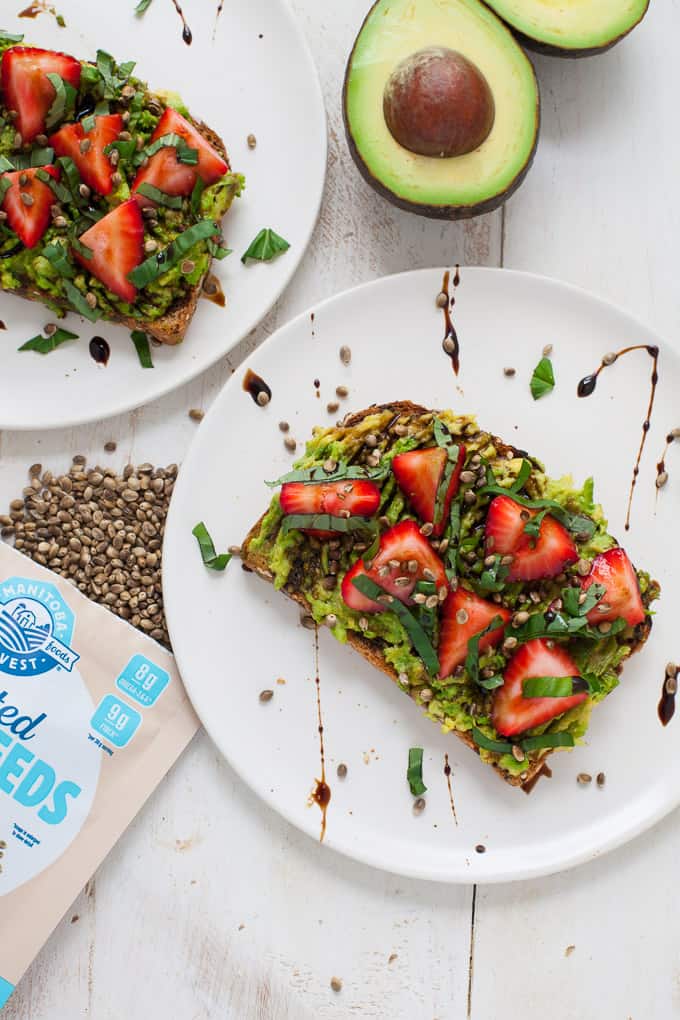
{"x":171,"y":327}
{"x":254,"y":561}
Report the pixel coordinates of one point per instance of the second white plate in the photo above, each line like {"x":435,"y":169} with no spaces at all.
{"x":234,"y":636}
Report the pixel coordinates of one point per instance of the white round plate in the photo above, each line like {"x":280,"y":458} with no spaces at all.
{"x":234,"y":636}
{"x":248,"y":72}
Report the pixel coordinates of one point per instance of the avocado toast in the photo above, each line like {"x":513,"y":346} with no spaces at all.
{"x":490,"y":593}
{"x":111,"y":196}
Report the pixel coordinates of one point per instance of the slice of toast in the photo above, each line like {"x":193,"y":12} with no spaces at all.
{"x":171,"y":325}
{"x":412,"y":419}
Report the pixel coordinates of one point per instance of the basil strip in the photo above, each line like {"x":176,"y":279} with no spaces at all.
{"x":532,"y":528}
{"x":217,"y":251}
{"x":142,"y":7}
{"x":81,"y":248}
{"x":141,"y":342}
{"x":578,"y":524}
{"x":497,"y":746}
{"x":538,"y":626}
{"x":45,"y":344}
{"x":58,"y":255}
{"x":6,"y":166}
{"x":160,"y":197}
{"x":571,"y":596}
{"x":185,"y":154}
{"x":127,"y":149}
{"x":196,"y":195}
{"x":61,"y":193}
{"x":163,"y":260}
{"x":41,"y":156}
{"x":472,"y":657}
{"x":444,"y":440}
{"x":493,"y":578}
{"x":9,"y":37}
{"x":419,"y":638}
{"x":79,"y":303}
{"x":266,"y":246}
{"x":63,"y":105}
{"x":326,"y":522}
{"x":414,"y":773}
{"x":561,"y":739}
{"x":522,"y":477}
{"x":454,"y":535}
{"x":343,"y":473}
{"x":543,"y":379}
{"x":5,"y":185}
{"x":553,"y":686}
{"x":208,"y":554}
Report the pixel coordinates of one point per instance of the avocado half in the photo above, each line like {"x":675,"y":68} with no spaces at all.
{"x":579,"y":28}
{"x":455,"y":187}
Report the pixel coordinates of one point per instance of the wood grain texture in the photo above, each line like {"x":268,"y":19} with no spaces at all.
{"x":213,"y":907}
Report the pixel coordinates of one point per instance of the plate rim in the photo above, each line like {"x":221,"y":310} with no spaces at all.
{"x":480,"y":870}
{"x":294,"y":265}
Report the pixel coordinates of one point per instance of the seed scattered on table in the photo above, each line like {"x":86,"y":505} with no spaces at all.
{"x":601,"y":779}
{"x":442,"y":299}
{"x":419,"y":805}
{"x":345,"y":354}
{"x":266,"y":695}
{"x":284,"y":426}
{"x":342,"y":391}
{"x":110,"y":447}
{"x":336,"y":984}
{"x":342,"y":770}
{"x":252,"y":141}
{"x":569,"y":950}
{"x":547,"y":350}
{"x":290,"y":444}
{"x":196,"y":414}
{"x":480,"y":848}
{"x":263,"y":398}
{"x":509,"y":371}
{"x":583,"y":778}
{"x":333,"y":407}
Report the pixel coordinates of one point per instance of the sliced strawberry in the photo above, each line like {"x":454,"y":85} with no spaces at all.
{"x":29,"y":221}
{"x":359,"y":497}
{"x":533,"y":559}
{"x":616,"y":573}
{"x":27,"y":89}
{"x":166,"y":173}
{"x":401,"y":546}
{"x":117,"y":246}
{"x":419,"y":473}
{"x":513,"y":713}
{"x":476,"y":614}
{"x":93,"y":165}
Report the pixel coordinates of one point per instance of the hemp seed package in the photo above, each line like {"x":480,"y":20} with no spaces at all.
{"x":92,"y":716}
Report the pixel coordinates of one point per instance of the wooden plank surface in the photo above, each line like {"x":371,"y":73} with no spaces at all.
{"x":211,"y":906}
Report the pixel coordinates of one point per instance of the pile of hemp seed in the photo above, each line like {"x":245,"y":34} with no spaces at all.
{"x":102,"y":531}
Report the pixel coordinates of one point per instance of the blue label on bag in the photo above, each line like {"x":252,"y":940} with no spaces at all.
{"x":115,"y":720}
{"x":143,"y":681}
{"x":6,"y":990}
{"x":36,"y":627}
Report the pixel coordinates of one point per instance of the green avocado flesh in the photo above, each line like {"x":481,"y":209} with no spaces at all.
{"x":577,"y":26}
{"x":300,"y":563}
{"x":456,"y":186}
{"x":29,"y":269}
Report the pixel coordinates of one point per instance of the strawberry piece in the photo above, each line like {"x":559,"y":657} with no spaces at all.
{"x":94,"y":166}
{"x":117,"y":246}
{"x":399,"y":546}
{"x":166,"y":173}
{"x":513,"y":713}
{"x":27,"y":89}
{"x":453,"y":641}
{"x":358,"y":496}
{"x":533,"y":559}
{"x":29,"y":221}
{"x":418,"y":473}
{"x":616,"y":573}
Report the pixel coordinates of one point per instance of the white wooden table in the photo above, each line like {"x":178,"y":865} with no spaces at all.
{"x":211,"y":906}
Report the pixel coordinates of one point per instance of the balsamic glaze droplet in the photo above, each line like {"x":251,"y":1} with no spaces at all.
{"x":587,"y":386}
{"x":255,"y":384}
{"x":187,"y":36}
{"x":100,"y":350}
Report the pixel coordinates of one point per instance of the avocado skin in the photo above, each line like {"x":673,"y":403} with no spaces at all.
{"x":434,"y":212}
{"x":547,"y":50}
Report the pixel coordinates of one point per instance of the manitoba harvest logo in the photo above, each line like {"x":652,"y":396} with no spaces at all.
{"x":36,"y":627}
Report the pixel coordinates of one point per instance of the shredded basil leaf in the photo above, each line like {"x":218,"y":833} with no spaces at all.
{"x":154,"y":267}
{"x":64,"y":103}
{"x":266,"y":246}
{"x":217,"y":251}
{"x":578,"y":524}
{"x":127,"y":149}
{"x":79,"y":303}
{"x":81,"y":248}
{"x":196,"y":195}
{"x":45,"y":344}
{"x":6,"y":165}
{"x":160,"y":197}
{"x":61,"y":193}
{"x":58,"y":255}
{"x":540,"y":626}
{"x":543,"y":379}
{"x":414,"y":773}
{"x":419,"y":638}
{"x":327,"y":522}
{"x":343,"y":473}
{"x":114,"y":77}
{"x":9,"y":37}
{"x":142,"y":7}
{"x":454,"y":536}
{"x":497,"y":746}
{"x":185,"y":154}
{"x":472,"y":657}
{"x":532,"y":528}
{"x":570,"y":599}
{"x":561,"y":739}
{"x":552,"y":686}
{"x":141,"y":342}
{"x":5,"y":185}
{"x":208,"y":554}
{"x":522,"y":478}
{"x":493,"y":578}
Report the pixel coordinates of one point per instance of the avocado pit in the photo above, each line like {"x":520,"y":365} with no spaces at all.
{"x":438,"y":103}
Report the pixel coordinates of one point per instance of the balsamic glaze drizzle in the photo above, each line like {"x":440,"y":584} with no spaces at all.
{"x":447,"y":773}
{"x":321,"y":794}
{"x":186,"y":31}
{"x":100,"y":350}
{"x":669,"y":690}
{"x":661,"y":472}
{"x":545,"y":770}
{"x":255,"y":384}
{"x":450,"y":343}
{"x":586,"y":388}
